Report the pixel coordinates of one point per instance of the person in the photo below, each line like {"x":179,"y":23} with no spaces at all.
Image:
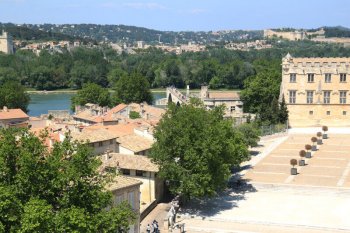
{"x":155,"y":226}
{"x":148,"y":229}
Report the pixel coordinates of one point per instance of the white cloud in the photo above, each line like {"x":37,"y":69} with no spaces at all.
{"x":197,"y":11}
{"x":145,"y":5}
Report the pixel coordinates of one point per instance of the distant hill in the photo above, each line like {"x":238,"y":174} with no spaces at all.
{"x":128,"y":34}
{"x":25,"y":32}
{"x":337,"y":31}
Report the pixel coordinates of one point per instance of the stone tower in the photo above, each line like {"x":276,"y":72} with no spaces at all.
{"x":6,"y":43}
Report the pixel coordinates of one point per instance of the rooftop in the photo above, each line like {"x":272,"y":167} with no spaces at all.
{"x":133,"y":162}
{"x":96,"y":135}
{"x":7,"y":114}
{"x":135,"y":143}
{"x":120,"y":182}
{"x":224,"y":95}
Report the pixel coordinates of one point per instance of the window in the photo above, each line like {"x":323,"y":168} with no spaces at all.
{"x":328,"y":113}
{"x":328,"y":78}
{"x":344,"y":113}
{"x":293,"y":78}
{"x":139,"y":173}
{"x":310,"y":78}
{"x":326,"y":97}
{"x":309,"y":97}
{"x":119,"y":199}
{"x":131,"y":200}
{"x":342,"y":97}
{"x":126,"y":172}
{"x":100,"y":144}
{"x":292,"y":98}
{"x":342,"y":78}
{"x":233,"y":108}
{"x":311,"y":112}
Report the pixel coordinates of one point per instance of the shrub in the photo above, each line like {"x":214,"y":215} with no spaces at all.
{"x":302,"y":153}
{"x":308,"y":147}
{"x":319,"y":134}
{"x":325,"y":128}
{"x":293,"y":162}
{"x":134,"y":115}
{"x":314,"y":139}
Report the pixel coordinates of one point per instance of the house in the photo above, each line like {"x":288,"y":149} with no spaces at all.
{"x":231,"y":100}
{"x":141,"y":168}
{"x":13,"y":118}
{"x":127,"y":189}
{"x":100,"y":140}
{"x":316,"y":90}
{"x":134,"y":144}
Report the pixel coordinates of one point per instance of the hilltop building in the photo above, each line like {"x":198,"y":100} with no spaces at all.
{"x":316,"y":90}
{"x":6,"y":43}
{"x":292,"y":35}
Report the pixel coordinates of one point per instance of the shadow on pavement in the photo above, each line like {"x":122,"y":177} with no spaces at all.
{"x":228,"y":199}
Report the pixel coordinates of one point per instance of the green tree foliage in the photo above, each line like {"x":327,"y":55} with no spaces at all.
{"x":56,"y":190}
{"x":195,"y":150}
{"x":134,"y":115}
{"x":283,"y":112}
{"x":259,"y":93}
{"x":133,"y":88}
{"x":250,"y":133}
{"x":13,"y":95}
{"x":92,"y":93}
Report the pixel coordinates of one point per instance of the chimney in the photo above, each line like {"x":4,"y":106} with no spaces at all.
{"x":141,"y":110}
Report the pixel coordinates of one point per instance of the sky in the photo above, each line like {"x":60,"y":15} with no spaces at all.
{"x":181,"y":15}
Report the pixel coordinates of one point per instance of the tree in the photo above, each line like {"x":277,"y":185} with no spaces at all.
{"x":13,"y":95}
{"x":195,"y":150}
{"x":132,"y":89}
{"x":92,"y":93}
{"x":250,"y":133}
{"x":283,"y":112}
{"x":259,"y":91}
{"x":56,"y":190}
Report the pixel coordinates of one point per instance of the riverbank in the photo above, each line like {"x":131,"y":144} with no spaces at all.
{"x":156,"y":90}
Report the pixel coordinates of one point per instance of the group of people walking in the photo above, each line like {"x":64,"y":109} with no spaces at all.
{"x":153,"y":228}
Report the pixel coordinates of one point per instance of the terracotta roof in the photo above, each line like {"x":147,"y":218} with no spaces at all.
{"x":117,"y":130}
{"x":153,"y":112}
{"x":120,"y":182}
{"x":96,"y":135}
{"x":224,"y":95}
{"x":12,"y":114}
{"x":133,"y":162}
{"x":135,"y":142}
{"x":86,"y":115}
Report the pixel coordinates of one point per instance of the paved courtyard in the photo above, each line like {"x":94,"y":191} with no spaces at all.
{"x":328,"y":167}
{"x":316,"y":200}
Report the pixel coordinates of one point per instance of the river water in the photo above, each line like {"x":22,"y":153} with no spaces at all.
{"x":41,"y":103}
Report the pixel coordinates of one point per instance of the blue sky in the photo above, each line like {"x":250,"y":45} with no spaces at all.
{"x":178,"y":15}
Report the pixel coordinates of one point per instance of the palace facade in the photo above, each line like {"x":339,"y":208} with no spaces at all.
{"x":317,"y":91}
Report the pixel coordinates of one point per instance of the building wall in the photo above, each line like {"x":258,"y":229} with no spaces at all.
{"x":296,"y":35}
{"x":21,"y":122}
{"x":317,"y":113}
{"x":6,"y":43}
{"x":125,"y":151}
{"x":124,"y":194}
{"x":110,"y":145}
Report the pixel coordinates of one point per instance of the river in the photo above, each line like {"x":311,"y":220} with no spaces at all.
{"x":41,"y":103}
